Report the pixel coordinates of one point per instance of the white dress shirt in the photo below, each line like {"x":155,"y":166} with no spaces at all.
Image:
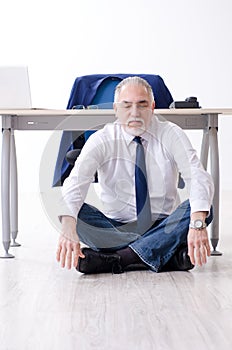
{"x":111,"y":152}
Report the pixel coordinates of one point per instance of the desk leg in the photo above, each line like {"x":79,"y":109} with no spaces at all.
{"x":5,"y":186}
{"x":205,"y":148}
{"x":214,"y":156}
{"x":13,"y":192}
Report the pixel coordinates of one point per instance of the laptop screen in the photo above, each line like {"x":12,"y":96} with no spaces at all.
{"x":14,"y":88}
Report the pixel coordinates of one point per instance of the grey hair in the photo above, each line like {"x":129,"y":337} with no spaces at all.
{"x":133,"y":81}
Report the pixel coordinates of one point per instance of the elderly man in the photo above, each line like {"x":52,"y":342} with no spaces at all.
{"x":142,"y":224}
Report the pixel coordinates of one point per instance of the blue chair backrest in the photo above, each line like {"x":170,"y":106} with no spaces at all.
{"x":105,"y":92}
{"x":104,"y":98}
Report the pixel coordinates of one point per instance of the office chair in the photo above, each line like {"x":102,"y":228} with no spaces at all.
{"x":98,"y":89}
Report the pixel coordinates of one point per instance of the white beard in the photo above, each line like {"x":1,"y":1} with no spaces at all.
{"x":135,"y":131}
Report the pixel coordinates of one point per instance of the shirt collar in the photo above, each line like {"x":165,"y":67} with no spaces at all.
{"x":129,"y":138}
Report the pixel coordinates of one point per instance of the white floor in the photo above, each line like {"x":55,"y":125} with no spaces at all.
{"x":45,"y":307}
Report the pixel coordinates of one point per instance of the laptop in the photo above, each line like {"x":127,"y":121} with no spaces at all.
{"x":14,"y":88}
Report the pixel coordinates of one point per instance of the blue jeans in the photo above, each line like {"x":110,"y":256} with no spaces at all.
{"x":155,"y":247}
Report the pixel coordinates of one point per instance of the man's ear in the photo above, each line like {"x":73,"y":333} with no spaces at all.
{"x":115,"y":109}
{"x":153,"y":105}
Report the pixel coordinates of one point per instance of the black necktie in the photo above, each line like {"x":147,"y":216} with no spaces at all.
{"x":141,"y":189}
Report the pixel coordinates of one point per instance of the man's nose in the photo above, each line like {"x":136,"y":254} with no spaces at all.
{"x":134,"y":110}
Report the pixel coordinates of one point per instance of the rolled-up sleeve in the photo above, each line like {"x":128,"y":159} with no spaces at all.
{"x":76,"y":185}
{"x":198,"y":181}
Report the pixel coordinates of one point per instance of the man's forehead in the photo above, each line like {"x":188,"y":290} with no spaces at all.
{"x":138,"y":101}
{"x":134,"y":90}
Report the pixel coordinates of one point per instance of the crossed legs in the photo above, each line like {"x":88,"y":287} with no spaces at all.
{"x":157,"y":248}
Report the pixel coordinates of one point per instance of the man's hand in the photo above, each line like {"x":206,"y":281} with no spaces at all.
{"x":198,"y":246}
{"x":68,"y":250}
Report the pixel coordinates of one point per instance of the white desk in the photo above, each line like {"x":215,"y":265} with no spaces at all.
{"x":204,"y":119}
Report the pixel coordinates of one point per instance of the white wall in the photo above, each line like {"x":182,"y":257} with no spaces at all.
{"x":187,"y":42}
